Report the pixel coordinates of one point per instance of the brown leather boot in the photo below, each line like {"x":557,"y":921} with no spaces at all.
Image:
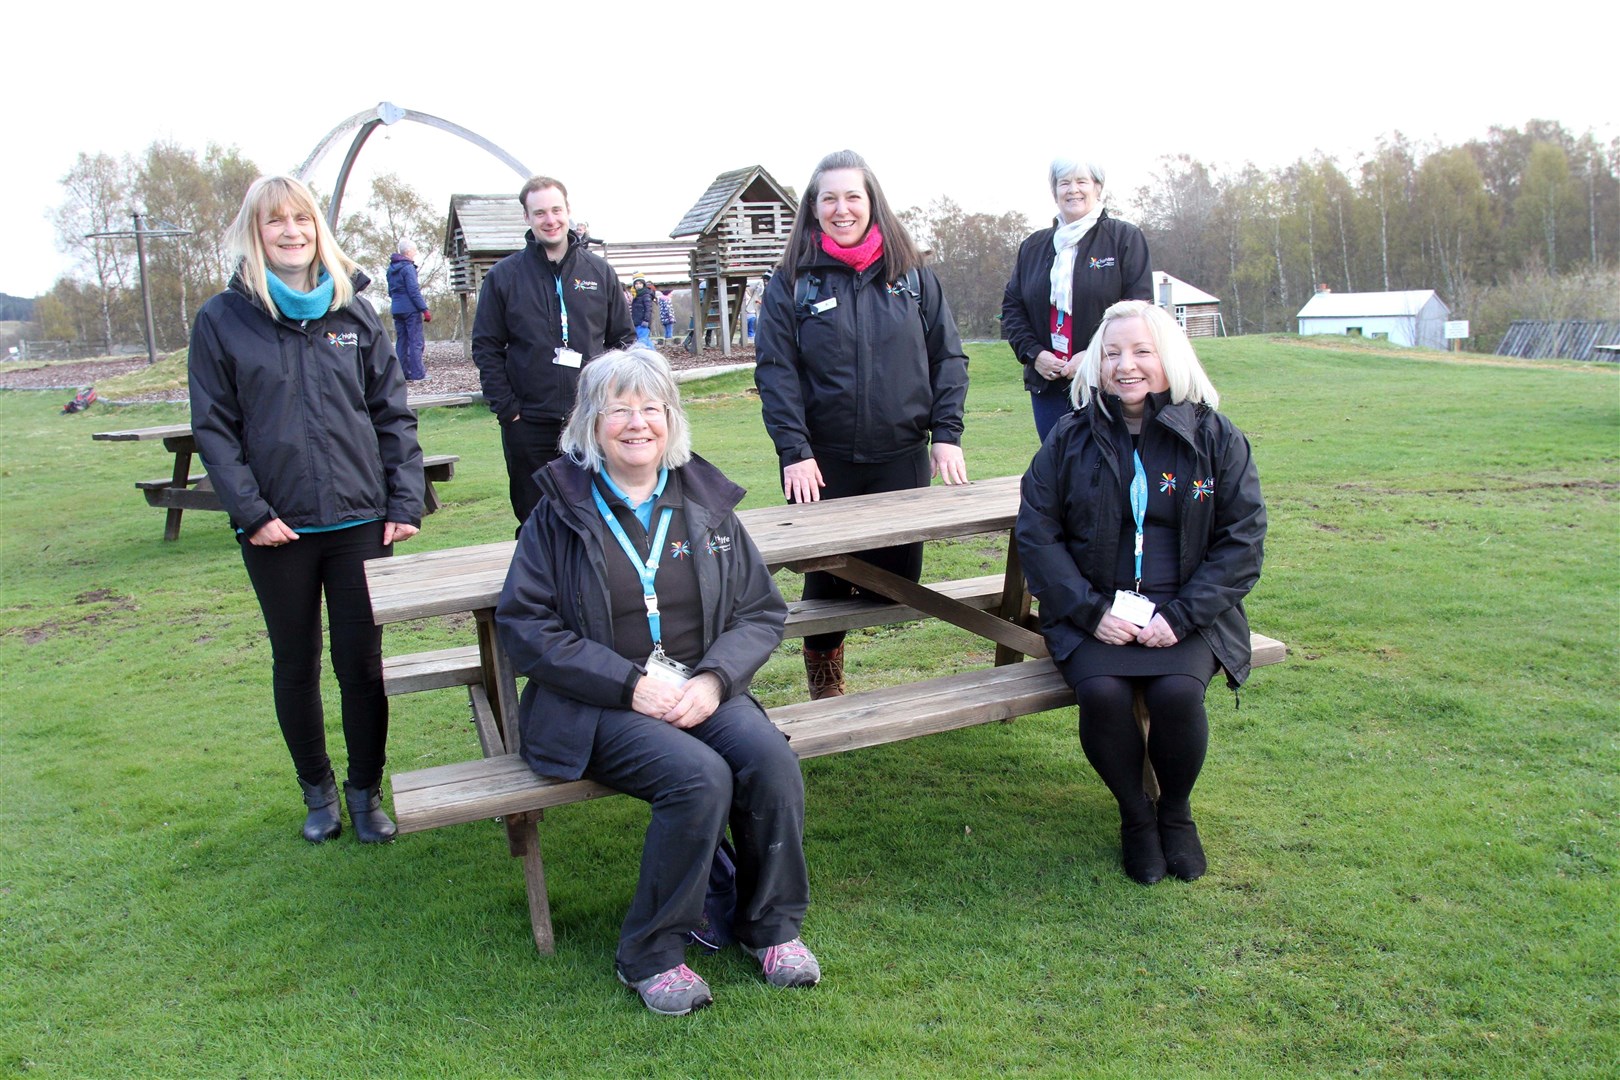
{"x":825,"y":671}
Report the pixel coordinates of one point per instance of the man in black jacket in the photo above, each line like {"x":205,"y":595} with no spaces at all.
{"x":542,"y":312}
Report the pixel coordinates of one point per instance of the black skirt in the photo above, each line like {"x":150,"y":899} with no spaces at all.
{"x":1189,"y":656}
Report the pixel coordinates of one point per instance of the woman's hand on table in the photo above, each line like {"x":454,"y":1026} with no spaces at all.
{"x":948,"y":463}
{"x":396,"y":531}
{"x":699,"y":698}
{"x":272,"y":533}
{"x":802,"y":482}
{"x":1156,"y":634}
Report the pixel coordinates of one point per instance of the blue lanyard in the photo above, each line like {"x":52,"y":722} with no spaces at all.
{"x":562,"y":306}
{"x":1139,"y":499}
{"x":648,"y":570}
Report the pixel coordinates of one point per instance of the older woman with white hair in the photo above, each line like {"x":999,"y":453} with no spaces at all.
{"x":1064,"y":279}
{"x":640,"y":609}
{"x":1141,"y":531}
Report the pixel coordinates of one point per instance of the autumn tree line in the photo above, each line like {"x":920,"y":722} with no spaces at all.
{"x":98,"y":305}
{"x":1519,"y":224}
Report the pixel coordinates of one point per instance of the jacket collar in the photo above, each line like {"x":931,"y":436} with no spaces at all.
{"x":706,"y":492}
{"x":238,"y":286}
{"x":1180,"y":417}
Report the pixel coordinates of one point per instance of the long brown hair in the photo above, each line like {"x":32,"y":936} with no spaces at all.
{"x":900,"y":255}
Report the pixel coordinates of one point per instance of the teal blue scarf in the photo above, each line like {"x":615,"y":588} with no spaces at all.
{"x":301,"y":305}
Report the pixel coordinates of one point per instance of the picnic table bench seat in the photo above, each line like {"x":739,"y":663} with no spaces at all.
{"x":501,"y":786}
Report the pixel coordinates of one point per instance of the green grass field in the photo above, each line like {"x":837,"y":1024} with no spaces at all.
{"x":1412,"y":824}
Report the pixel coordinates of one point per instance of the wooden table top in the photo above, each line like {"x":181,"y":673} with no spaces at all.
{"x":470,"y":578}
{"x":170,"y":431}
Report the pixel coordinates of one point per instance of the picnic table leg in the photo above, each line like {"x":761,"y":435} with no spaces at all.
{"x":523,"y":838}
{"x":1014,"y":601}
{"x":182,"y":477}
{"x":500,"y":681}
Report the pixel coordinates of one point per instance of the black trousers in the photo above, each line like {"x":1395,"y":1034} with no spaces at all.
{"x":737,"y":767}
{"x":845,"y":478}
{"x":529,"y":445}
{"x":289,"y":581}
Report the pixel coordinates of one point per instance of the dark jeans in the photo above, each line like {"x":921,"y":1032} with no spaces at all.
{"x":289,"y":581}
{"x":846,"y":478}
{"x":408,"y":344}
{"x":530,"y":446}
{"x":734,"y":766}
{"x":1049,"y":408}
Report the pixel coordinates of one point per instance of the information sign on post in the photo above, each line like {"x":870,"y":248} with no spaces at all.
{"x":1456,"y":330}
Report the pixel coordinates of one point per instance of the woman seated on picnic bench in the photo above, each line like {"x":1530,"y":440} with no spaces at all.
{"x":298,"y":407}
{"x":1140,"y":532}
{"x":640,"y":609}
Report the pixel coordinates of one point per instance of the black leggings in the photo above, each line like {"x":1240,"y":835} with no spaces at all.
{"x":1178,"y":733}
{"x":289,"y":581}
{"x":846,"y":478}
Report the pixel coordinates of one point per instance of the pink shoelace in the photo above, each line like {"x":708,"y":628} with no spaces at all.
{"x":789,"y":955}
{"x":676,"y":978}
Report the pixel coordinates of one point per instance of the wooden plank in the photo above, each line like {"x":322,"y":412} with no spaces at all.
{"x":460,"y":665}
{"x":168,"y":431}
{"x":457,"y":580}
{"x":500,"y":785}
{"x":902,"y":590}
{"x":173,"y":498}
{"x":411,"y":672}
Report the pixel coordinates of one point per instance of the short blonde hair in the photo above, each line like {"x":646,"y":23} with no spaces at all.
{"x":634,"y":372}
{"x":1181,"y":367}
{"x":269,"y":193}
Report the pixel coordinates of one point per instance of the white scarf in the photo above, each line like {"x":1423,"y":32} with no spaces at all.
{"x":1065,"y":239}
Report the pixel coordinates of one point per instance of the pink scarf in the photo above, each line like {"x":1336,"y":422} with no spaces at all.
{"x":860,"y":256}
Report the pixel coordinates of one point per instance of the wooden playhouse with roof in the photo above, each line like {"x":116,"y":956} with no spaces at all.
{"x":738,"y":230}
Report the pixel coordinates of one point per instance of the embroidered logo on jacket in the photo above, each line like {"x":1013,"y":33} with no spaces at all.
{"x":1167,"y":482}
{"x":718,"y":544}
{"x":1203,"y":489}
{"x":581,"y":285}
{"x":680,"y":549}
{"x":346,"y":340}
{"x":1101,"y":264}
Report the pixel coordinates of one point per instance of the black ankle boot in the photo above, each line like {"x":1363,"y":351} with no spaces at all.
{"x":323,"y":821}
{"x":371,"y":824}
{"x":1183,"y":853}
{"x":1139,"y":842}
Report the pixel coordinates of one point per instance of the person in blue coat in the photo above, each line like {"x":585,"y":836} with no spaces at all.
{"x":410,"y":310}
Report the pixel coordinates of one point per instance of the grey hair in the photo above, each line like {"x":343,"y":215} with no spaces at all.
{"x":405,"y":244}
{"x":1181,"y":367}
{"x":634,"y":372}
{"x":1062,"y":166}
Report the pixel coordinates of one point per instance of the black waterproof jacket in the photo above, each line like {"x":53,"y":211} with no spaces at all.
{"x":860,"y":379}
{"x":518,"y":328}
{"x":306,"y":422}
{"x":554,"y":618}
{"x":1074,"y":505}
{"x":1110,"y":265}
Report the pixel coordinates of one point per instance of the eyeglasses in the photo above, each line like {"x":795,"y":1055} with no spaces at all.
{"x":619,"y":415}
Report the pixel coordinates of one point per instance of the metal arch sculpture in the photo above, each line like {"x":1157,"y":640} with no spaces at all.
{"x":388,"y":113}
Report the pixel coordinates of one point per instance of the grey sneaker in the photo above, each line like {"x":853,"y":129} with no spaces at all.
{"x":787,"y":964}
{"x":675,"y":992}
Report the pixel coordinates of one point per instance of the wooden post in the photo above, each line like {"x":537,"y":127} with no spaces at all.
{"x":466,"y":330}
{"x":723,"y":301}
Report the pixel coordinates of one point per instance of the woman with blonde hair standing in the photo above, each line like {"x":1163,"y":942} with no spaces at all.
{"x":298,"y":407}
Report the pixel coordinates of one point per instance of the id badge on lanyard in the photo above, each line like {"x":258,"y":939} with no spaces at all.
{"x":1129,"y":604}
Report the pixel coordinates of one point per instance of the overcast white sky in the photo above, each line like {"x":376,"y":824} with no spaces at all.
{"x":619,"y":99}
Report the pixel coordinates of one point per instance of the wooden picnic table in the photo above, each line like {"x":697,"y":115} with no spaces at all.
{"x":811,"y":536}
{"x":182,"y":491}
